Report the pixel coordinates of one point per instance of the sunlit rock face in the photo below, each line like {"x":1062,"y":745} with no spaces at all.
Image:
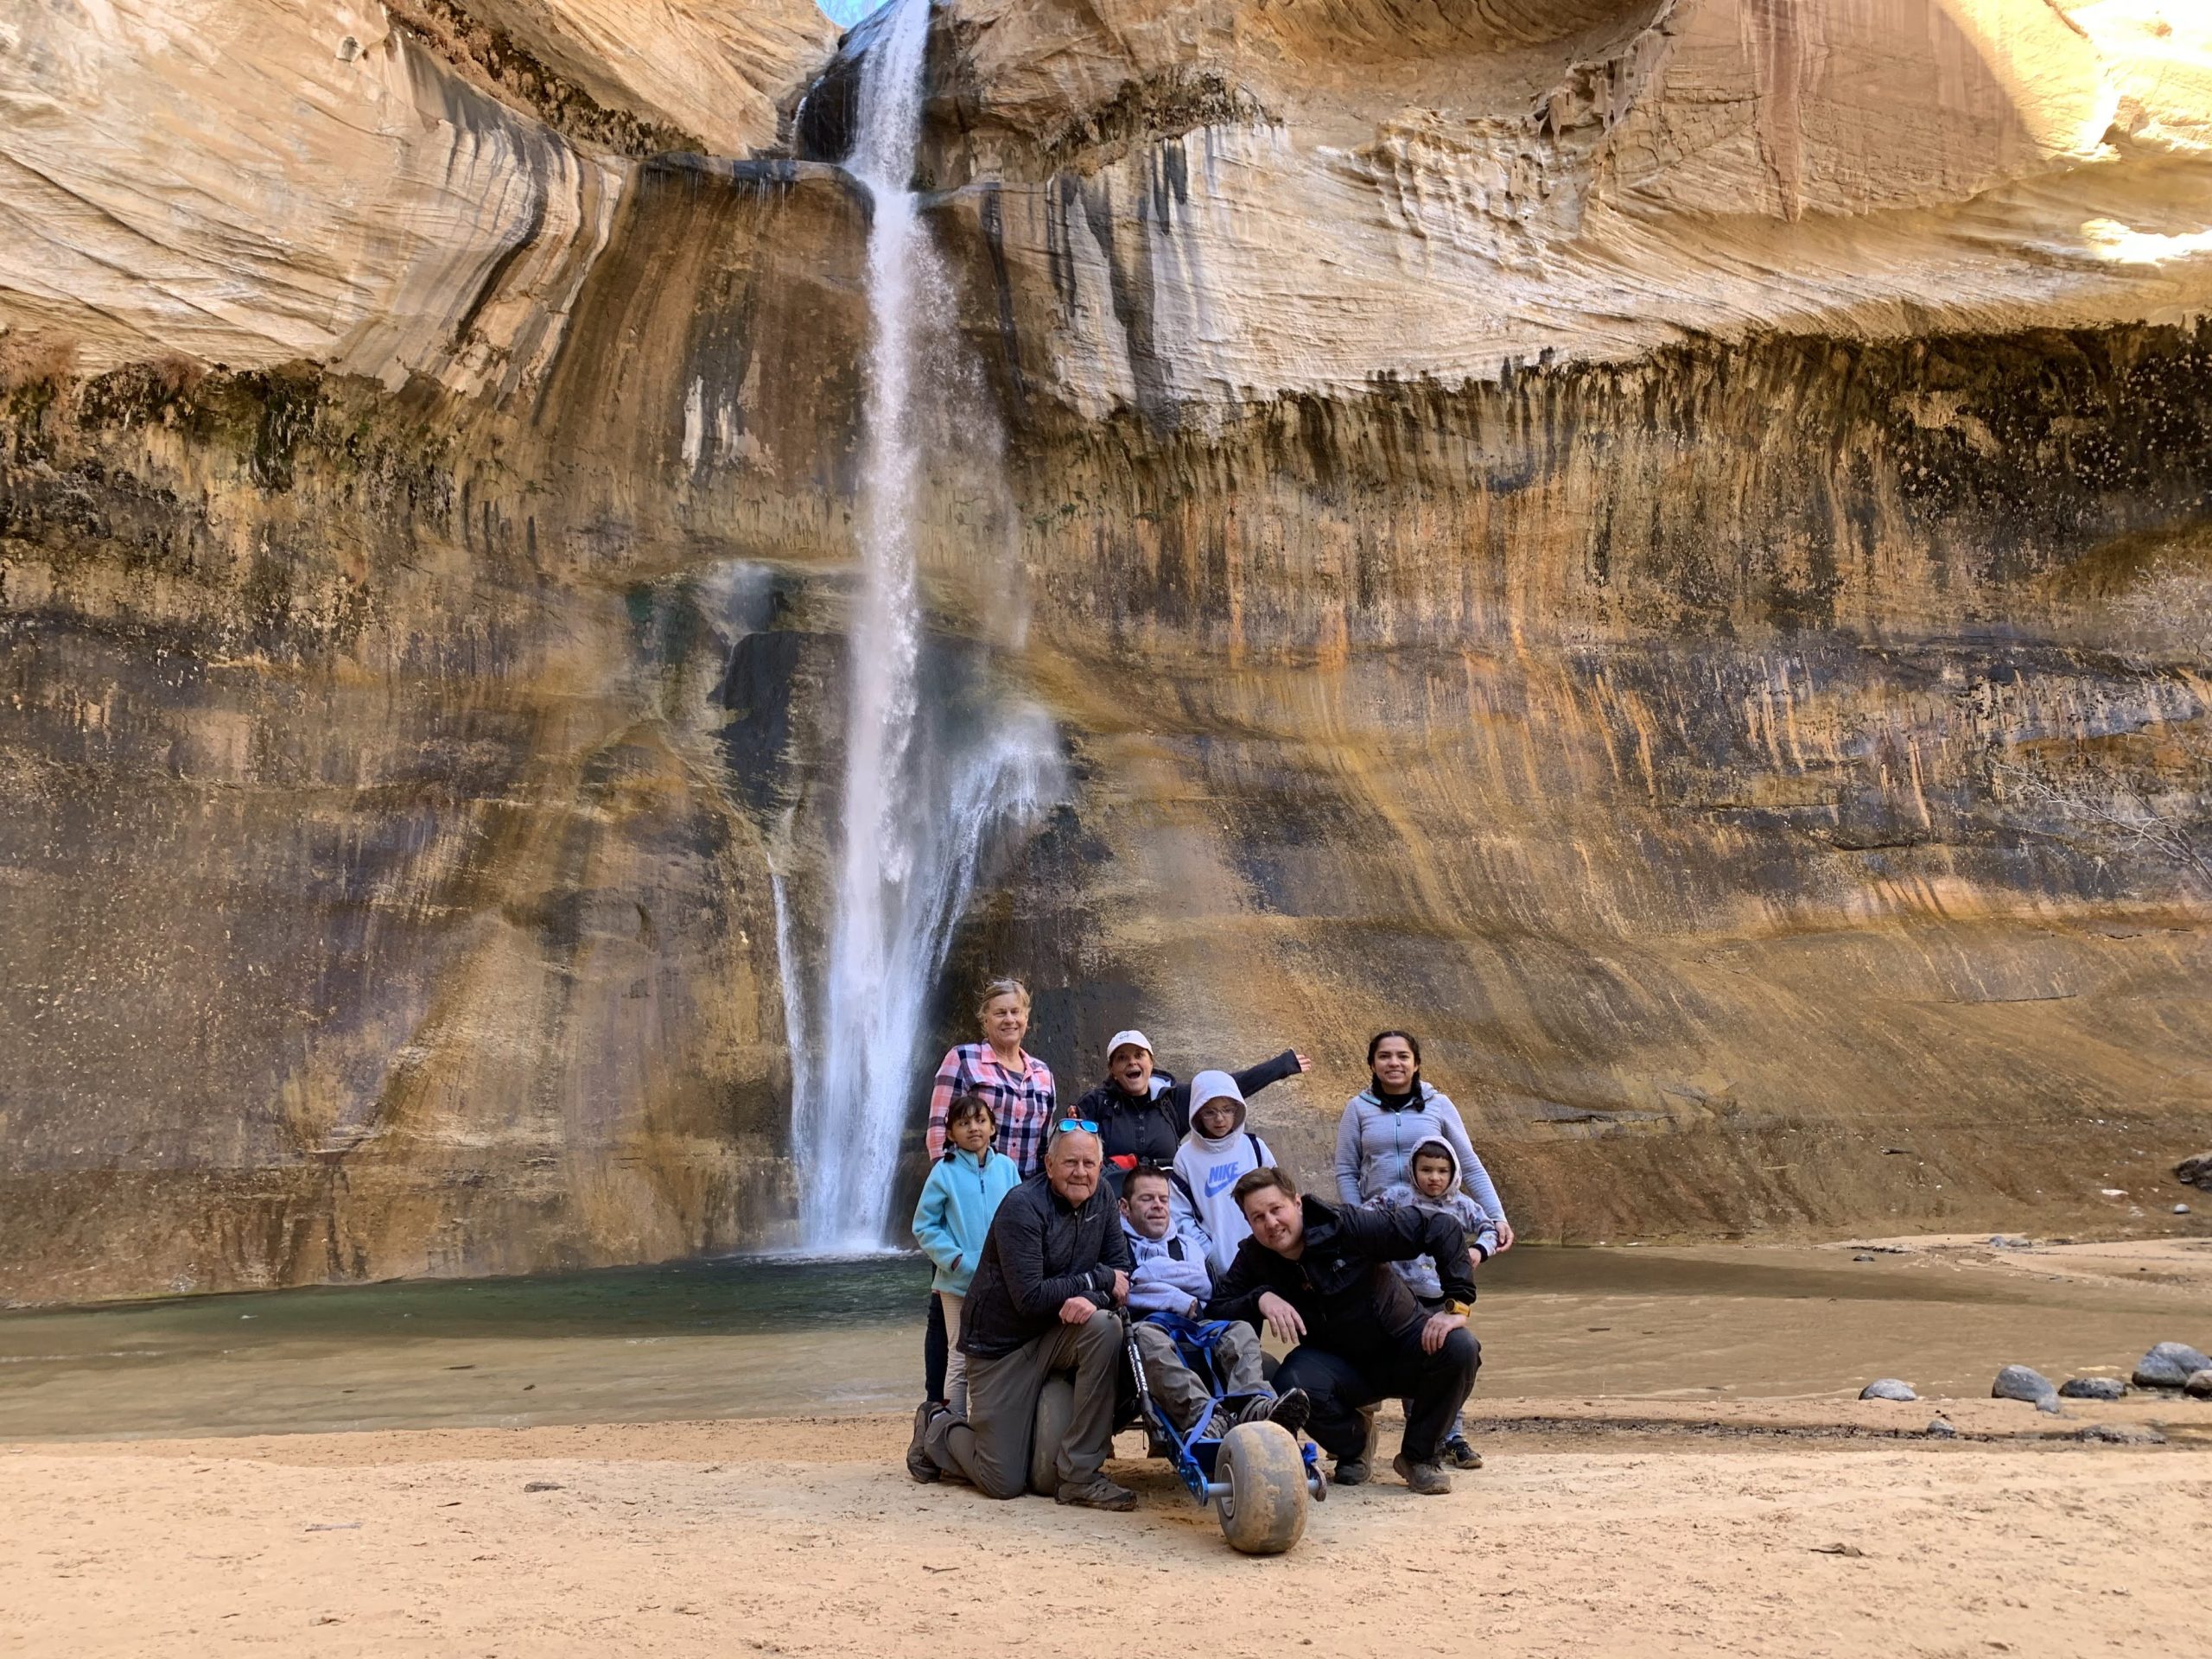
{"x":1678,"y":561}
{"x":1661,"y":545}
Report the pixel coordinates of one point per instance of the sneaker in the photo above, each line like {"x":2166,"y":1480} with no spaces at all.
{"x":1291,"y":1409}
{"x":1097,"y":1493}
{"x":1219,"y":1423}
{"x":922,"y":1466}
{"x":1460,"y":1455}
{"x":1350,"y":1471}
{"x":1427,"y":1479}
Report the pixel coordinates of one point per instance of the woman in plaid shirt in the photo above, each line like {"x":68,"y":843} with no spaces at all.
{"x":1017,"y":1083}
{"x":1019,"y":1086}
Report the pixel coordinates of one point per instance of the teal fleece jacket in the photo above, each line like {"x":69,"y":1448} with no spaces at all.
{"x":958,"y":1203}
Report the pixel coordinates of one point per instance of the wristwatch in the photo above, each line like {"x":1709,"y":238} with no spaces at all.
{"x":1464,"y":1310}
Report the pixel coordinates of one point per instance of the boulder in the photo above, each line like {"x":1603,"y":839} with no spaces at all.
{"x":2195,"y":1171}
{"x":1887,"y":1388}
{"x":2019,"y":1383}
{"x":2199,"y":1386}
{"x":2092,"y":1388}
{"x":2169,"y":1365}
{"x":1941,"y":1428}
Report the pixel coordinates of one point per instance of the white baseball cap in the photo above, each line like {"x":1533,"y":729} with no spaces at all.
{"x":1127,"y":1040}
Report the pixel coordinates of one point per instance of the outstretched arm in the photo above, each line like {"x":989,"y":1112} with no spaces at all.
{"x":1405,"y":1234}
{"x":1253,"y":1078}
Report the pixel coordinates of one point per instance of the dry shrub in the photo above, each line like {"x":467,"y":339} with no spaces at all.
{"x":34,"y":358}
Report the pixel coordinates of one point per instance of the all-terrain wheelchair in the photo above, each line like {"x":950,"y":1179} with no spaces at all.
{"x":1258,"y":1476}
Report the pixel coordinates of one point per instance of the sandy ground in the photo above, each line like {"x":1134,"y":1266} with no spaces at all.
{"x":1777,"y":1529}
{"x":1660,"y":1512}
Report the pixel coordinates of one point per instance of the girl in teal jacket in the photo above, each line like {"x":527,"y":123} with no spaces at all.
{"x":958,"y":1203}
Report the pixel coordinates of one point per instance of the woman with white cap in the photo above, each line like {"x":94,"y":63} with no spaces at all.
{"x":1143,"y":1112}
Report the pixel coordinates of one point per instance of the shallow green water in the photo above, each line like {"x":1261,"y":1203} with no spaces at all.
{"x":778,"y":1336}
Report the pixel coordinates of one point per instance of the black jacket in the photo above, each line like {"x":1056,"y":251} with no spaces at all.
{"x":1040,"y":1251}
{"x":1135,"y":1130}
{"x":1342,"y":1286}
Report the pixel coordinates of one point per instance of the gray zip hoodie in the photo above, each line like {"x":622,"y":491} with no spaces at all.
{"x":1374,"y":1143}
{"x":1419,"y":1274}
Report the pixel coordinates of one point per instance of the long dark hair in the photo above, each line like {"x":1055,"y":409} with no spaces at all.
{"x":1411,"y":1041}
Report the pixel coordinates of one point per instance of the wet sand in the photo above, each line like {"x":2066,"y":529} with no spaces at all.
{"x":1710,"y":1323}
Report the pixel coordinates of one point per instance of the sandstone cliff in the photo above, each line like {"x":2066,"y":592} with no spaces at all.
{"x":1661,"y":542}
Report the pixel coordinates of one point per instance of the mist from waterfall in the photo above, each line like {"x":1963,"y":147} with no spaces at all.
{"x":925,"y":792}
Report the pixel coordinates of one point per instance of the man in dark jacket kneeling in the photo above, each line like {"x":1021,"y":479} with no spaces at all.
{"x":1054,"y":1268}
{"x":1319,"y":1276}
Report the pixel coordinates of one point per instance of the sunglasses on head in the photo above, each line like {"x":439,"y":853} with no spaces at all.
{"x":1066,"y":1124}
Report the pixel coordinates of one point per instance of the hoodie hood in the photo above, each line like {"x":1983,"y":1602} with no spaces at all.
{"x":1206,"y":1088}
{"x":1430,"y":1148}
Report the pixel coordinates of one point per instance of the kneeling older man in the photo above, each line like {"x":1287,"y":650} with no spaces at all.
{"x":1319,"y":1277}
{"x":1054,"y":1266}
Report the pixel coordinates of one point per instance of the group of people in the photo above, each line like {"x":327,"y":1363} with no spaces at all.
{"x":1152,"y":1203}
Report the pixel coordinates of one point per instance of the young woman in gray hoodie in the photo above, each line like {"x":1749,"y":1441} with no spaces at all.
{"x":1386,"y":1121}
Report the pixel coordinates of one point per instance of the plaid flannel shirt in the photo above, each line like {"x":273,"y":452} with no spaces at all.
{"x":1023,"y":1101}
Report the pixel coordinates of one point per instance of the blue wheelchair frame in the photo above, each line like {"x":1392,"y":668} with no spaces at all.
{"x":1194,"y":1454}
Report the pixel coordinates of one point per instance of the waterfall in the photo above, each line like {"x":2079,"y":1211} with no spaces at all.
{"x":924,"y":792}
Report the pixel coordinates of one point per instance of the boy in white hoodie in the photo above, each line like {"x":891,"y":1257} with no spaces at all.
{"x":1217,"y":1150}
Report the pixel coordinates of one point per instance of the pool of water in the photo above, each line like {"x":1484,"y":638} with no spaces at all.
{"x":759,"y":1337}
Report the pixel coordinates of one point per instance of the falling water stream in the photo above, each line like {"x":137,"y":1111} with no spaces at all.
{"x":922,"y":798}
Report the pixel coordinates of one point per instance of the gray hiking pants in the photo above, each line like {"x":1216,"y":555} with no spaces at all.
{"x":990,"y":1449}
{"x":1176,"y":1388}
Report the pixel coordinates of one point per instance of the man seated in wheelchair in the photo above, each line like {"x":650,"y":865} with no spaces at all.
{"x":1169,"y":1286}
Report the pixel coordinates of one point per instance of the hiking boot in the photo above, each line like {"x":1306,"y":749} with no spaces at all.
{"x":1427,"y":1479}
{"x":1218,"y":1423}
{"x":1097,"y":1493}
{"x":1351,"y":1471}
{"x":1460,"y":1455}
{"x":922,"y":1466}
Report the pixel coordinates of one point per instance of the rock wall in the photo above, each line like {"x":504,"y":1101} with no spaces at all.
{"x":1661,"y":543}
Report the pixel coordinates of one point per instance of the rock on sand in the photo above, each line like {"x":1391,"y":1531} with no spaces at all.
{"x":2019,"y":1383}
{"x":1887,"y":1388}
{"x":2093,"y":1388}
{"x":2169,"y":1365}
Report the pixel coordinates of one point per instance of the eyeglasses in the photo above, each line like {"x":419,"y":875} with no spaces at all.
{"x":1067,"y":1124}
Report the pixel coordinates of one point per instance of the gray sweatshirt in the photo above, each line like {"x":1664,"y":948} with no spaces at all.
{"x":1171,"y":1274}
{"x":1420,"y":1274}
{"x":1374,"y":1144}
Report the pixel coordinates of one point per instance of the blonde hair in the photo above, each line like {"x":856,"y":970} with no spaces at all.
{"x":997,"y":988}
